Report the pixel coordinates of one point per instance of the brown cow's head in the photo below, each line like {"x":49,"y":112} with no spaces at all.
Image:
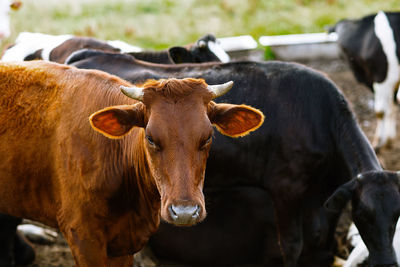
{"x":177,"y":116}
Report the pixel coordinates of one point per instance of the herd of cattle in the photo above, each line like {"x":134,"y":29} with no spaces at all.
{"x":110,"y":139}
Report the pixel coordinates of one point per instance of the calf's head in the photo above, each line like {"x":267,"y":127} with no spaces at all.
{"x":177,"y":117}
{"x":206,"y":49}
{"x":375,"y":209}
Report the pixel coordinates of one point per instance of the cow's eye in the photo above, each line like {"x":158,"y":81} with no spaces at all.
{"x":205,"y":143}
{"x":153,"y":144}
{"x":150,"y":140}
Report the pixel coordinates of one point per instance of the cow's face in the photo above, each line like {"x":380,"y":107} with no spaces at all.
{"x":177,"y":117}
{"x":376,"y":209}
{"x":206,"y":49}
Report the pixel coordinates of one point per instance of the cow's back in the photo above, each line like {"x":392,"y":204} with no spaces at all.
{"x":301,"y":107}
{"x":362,"y":49}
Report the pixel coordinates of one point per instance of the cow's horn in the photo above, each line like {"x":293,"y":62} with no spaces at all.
{"x":220,"y":89}
{"x":133,"y":92}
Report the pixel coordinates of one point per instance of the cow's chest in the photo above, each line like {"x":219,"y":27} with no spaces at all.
{"x":129,"y":233}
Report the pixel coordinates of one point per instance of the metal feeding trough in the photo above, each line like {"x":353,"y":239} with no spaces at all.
{"x":284,"y":47}
{"x":242,"y":47}
{"x":238,"y":43}
{"x":302,"y":46}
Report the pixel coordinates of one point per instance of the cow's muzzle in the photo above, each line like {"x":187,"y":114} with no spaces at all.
{"x":184,"y":215}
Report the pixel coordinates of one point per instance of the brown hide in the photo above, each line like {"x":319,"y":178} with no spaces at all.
{"x":55,"y":169}
{"x":60,"y":53}
{"x":105,"y":194}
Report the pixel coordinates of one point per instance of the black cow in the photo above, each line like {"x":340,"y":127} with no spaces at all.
{"x":239,"y":229}
{"x":376,"y":208}
{"x":206,"y":49}
{"x":309,"y":146}
{"x":372,"y":48}
{"x":33,"y":46}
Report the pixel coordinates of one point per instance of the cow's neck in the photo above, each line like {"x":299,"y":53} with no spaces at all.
{"x":161,"y":57}
{"x":135,"y":206}
{"x":355,"y":148}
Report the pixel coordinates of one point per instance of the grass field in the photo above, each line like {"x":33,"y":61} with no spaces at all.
{"x":158,"y":24}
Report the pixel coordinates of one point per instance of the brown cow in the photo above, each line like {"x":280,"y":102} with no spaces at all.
{"x":106,"y":195}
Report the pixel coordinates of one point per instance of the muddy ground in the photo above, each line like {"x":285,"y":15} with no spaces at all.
{"x":58,"y":254}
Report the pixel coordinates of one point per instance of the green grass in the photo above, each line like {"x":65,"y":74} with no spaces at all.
{"x":157,"y":24}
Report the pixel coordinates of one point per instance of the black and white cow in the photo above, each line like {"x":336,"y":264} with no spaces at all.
{"x":309,"y":145}
{"x":57,"y":48}
{"x":372,"y":47}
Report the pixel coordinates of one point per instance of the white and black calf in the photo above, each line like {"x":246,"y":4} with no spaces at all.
{"x":371,"y":46}
{"x":58,"y":48}
{"x":31,"y":46}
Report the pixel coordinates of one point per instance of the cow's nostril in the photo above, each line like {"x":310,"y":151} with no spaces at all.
{"x":172,"y":212}
{"x":184,"y":214}
{"x":196,"y":213}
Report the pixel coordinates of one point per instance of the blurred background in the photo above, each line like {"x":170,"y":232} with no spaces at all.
{"x":157,"y":24}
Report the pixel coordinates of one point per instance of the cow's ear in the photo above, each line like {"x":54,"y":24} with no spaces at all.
{"x":180,"y":54}
{"x":235,"y":120}
{"x":117,"y":121}
{"x":338,"y":200}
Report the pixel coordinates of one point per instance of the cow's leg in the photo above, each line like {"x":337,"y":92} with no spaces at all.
{"x":290,"y":230}
{"x":86,"y":241}
{"x":390,"y":125}
{"x":124,"y":261}
{"x":8,"y":227}
{"x":379,"y":132}
{"x":398,"y":95}
{"x":383,"y":105}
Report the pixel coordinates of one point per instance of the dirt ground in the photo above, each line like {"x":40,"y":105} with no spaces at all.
{"x":58,"y":254}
